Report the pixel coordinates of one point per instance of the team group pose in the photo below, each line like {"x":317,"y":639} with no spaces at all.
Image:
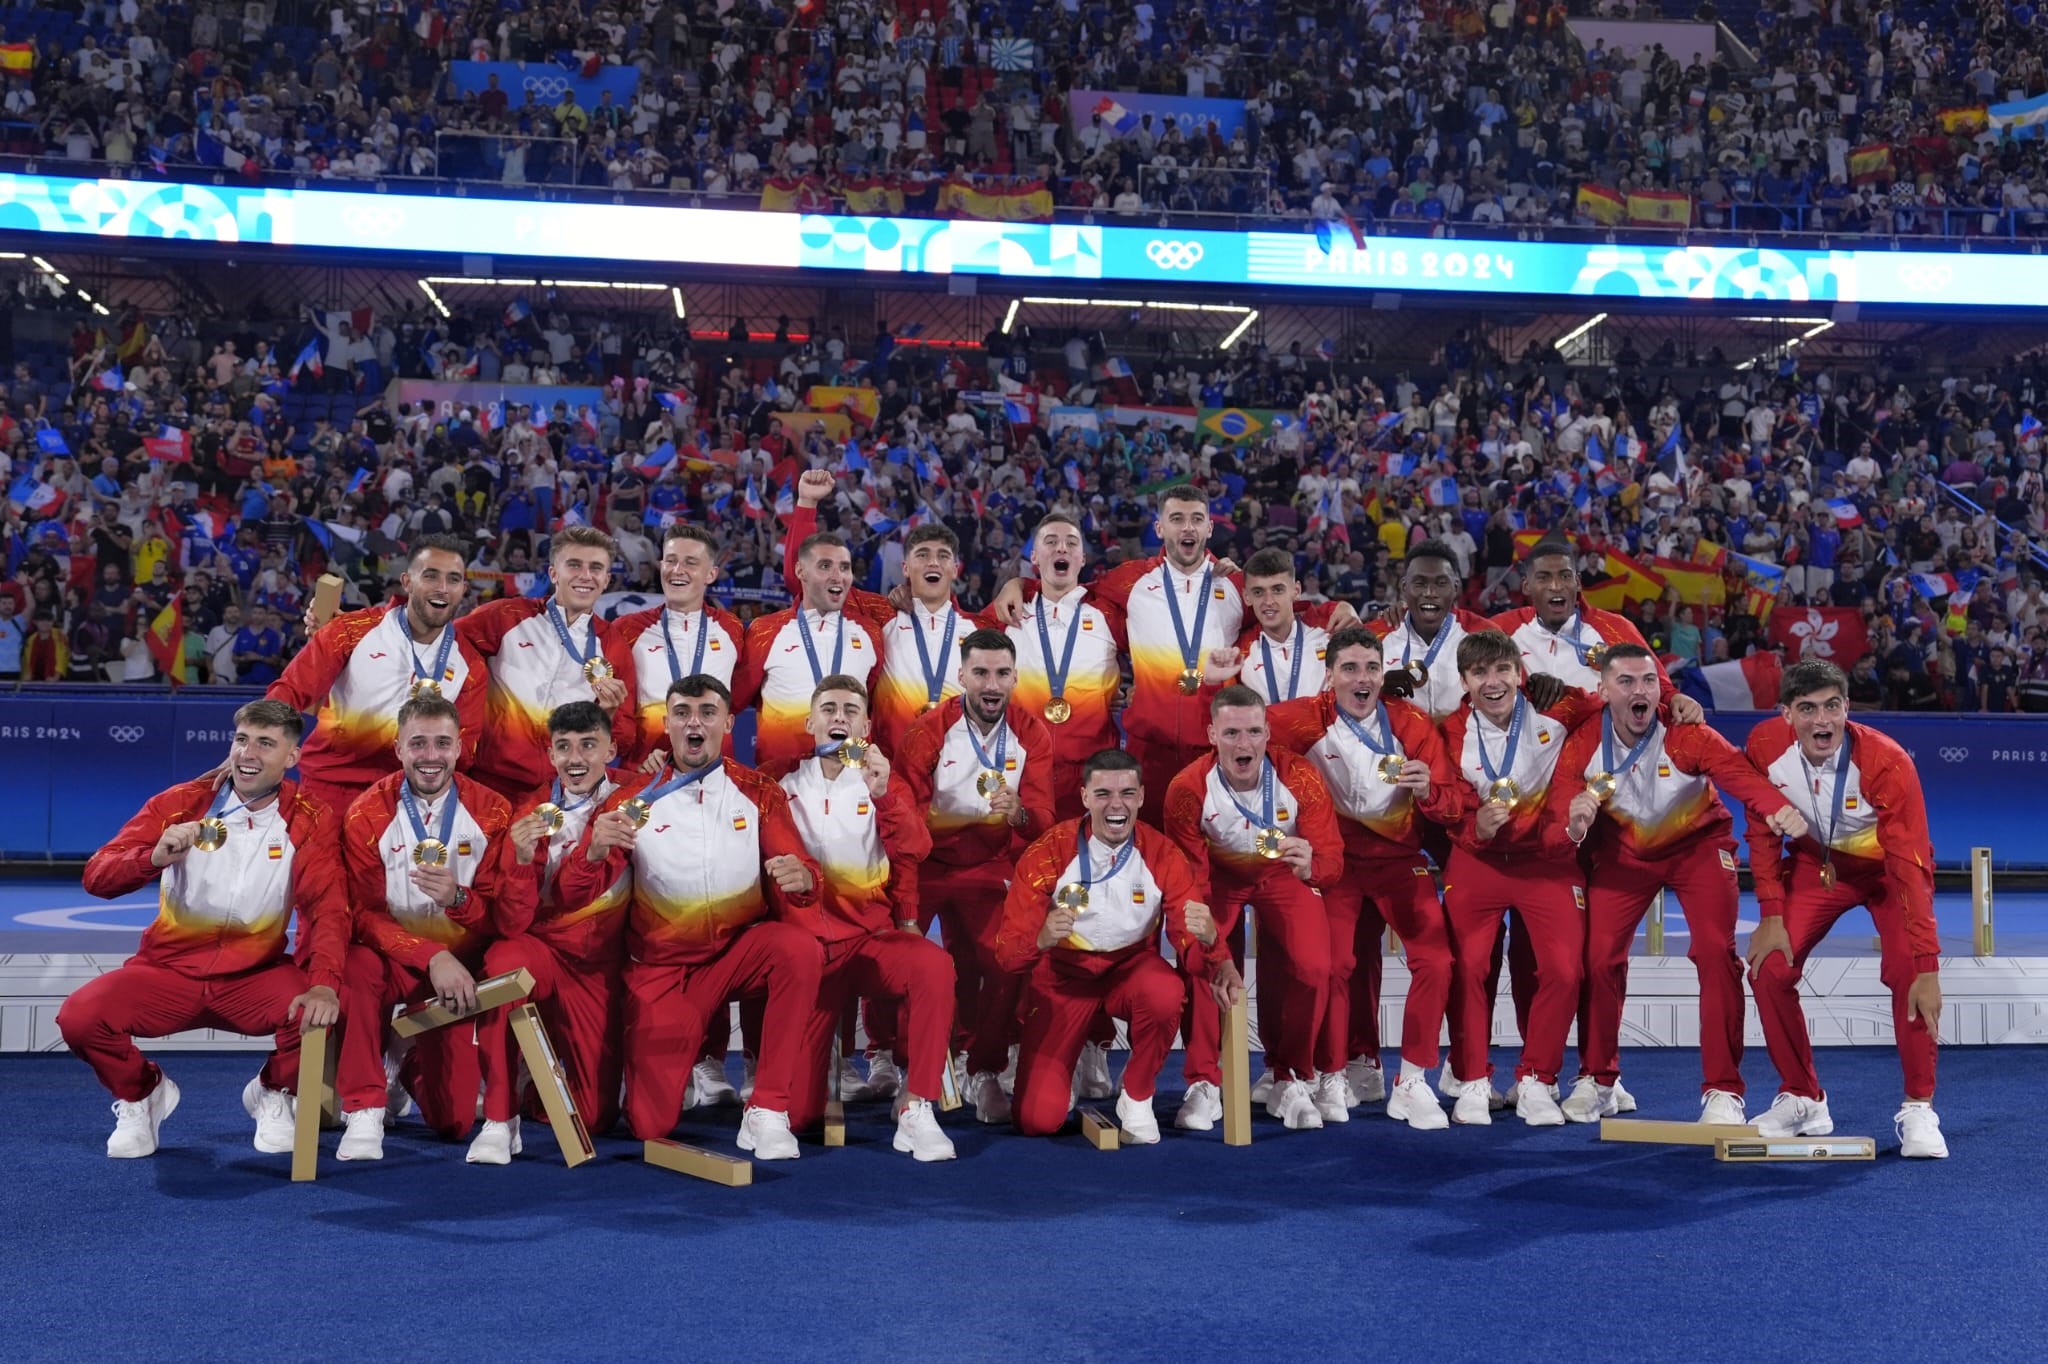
{"x":1092,"y":789}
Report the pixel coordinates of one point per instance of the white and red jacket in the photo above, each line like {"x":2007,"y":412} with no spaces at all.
{"x":392,"y":914}
{"x":1124,"y":914}
{"x":1094,"y":673}
{"x":694,"y":874}
{"x":1378,"y":819}
{"x":649,"y":650}
{"x":1269,"y":664}
{"x":1401,"y":643}
{"x":937,"y":763}
{"x":592,"y":933}
{"x":863,"y":845}
{"x":1208,"y":822}
{"x":356,"y":671}
{"x":1881,"y":832}
{"x":224,"y":912}
{"x":1665,"y":804}
{"x":775,"y":670}
{"x":531,"y":674}
{"x":1536,"y":826}
{"x":1561,"y":652}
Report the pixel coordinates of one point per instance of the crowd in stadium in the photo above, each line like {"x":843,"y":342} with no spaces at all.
{"x":161,"y":466}
{"x":1837,"y":116}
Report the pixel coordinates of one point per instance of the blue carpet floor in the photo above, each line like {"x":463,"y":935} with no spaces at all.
{"x":1359,"y":1240}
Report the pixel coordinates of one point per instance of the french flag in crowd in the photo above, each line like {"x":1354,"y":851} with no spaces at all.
{"x":170,"y":443}
{"x":1740,"y":684}
{"x":34,"y":496}
{"x":2029,"y":424}
{"x":109,"y":380}
{"x":754,"y":507}
{"x":1441,"y":492}
{"x":309,"y":358}
{"x":671,"y":401}
{"x":879,"y":521}
{"x":1401,"y":466}
{"x":658,"y":459}
{"x":517,"y":311}
{"x":1846,"y":515}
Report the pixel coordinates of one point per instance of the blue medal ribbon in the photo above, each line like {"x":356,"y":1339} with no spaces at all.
{"x":440,"y":657}
{"x":1364,"y":735}
{"x":1116,"y":864}
{"x":556,"y":619}
{"x":1056,"y":677}
{"x":1294,"y":677}
{"x":220,"y":808}
{"x":1264,"y":819}
{"x":1614,"y":770}
{"x":675,"y":667}
{"x":1443,"y":632}
{"x":981,"y":755}
{"x":677,"y":781}
{"x":803,"y":631}
{"x":556,"y":796}
{"x":1578,"y":642}
{"x":934,"y":678}
{"x":1841,"y":790}
{"x":419,"y":826}
{"x":1190,"y":652}
{"x":1507,"y":757}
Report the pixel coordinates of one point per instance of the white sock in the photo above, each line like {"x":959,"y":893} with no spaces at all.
{"x":1411,"y":1071}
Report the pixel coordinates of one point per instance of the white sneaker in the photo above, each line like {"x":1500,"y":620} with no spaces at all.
{"x":1200,"y":1108}
{"x":362,"y":1136}
{"x":1536,"y":1105}
{"x":1262,"y":1088}
{"x":1475,"y":1103}
{"x":1293,"y":1105}
{"x":766,"y":1133}
{"x":276,"y":1132}
{"x":251,"y":1092}
{"x":1008,"y":1079}
{"x":1135,"y":1116}
{"x":1624,"y":1102}
{"x":1792,"y":1116}
{"x":707,"y":1078}
{"x":1919,"y":1132}
{"x":1451,"y":1087}
{"x":396,"y":1100}
{"x":1368,"y":1082}
{"x":746,"y":1094}
{"x":885,"y":1080}
{"x":1332,"y":1097}
{"x":985,"y":1092}
{"x":496,"y":1144}
{"x":918,"y":1132}
{"x":850,"y":1087}
{"x":1590,"y":1101}
{"x":1719,"y":1106}
{"x":1091,"y":1073}
{"x":1414,"y":1103}
{"x":136,"y":1124}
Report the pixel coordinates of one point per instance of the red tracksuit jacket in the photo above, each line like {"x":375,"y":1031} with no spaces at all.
{"x":391,"y":915}
{"x":531,"y":674}
{"x":591,"y":933}
{"x":937,"y":763}
{"x":1666,"y":804}
{"x":1155,"y":888}
{"x":639,"y":655}
{"x":1378,"y":820}
{"x":1216,"y":838}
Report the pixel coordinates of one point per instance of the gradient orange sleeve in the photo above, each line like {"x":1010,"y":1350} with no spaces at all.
{"x":746,"y":678}
{"x":1178,"y":890}
{"x":518,"y":900}
{"x":493,"y":815}
{"x":1894,"y":788}
{"x":912,"y":770}
{"x":1702,"y":752}
{"x":1034,"y":793}
{"x":1183,"y":815}
{"x":310,"y":676}
{"x":781,"y":838}
{"x":1296,"y":726}
{"x":319,"y":890}
{"x":581,"y":880}
{"x":906,"y":839}
{"x":1767,"y":863}
{"x":124,"y":865}
{"x":1030,"y":899}
{"x":1450,"y":797}
{"x":1315,"y":819}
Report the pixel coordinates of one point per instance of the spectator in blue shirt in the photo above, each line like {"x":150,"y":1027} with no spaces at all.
{"x":259,"y":649}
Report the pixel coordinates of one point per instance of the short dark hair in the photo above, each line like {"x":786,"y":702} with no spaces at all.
{"x":265,"y":713}
{"x":991,"y":641}
{"x":1110,"y":760}
{"x":824,"y":539}
{"x":1550,"y":547}
{"x":579,"y":717}
{"x":447,"y":544}
{"x":428,"y":707}
{"x":1270,"y":562}
{"x":1058,"y":518}
{"x":1432,"y":549}
{"x":683,"y":530}
{"x":931,"y":532}
{"x":1183,"y":492}
{"x":1352,"y":637}
{"x":1616,"y":652}
{"x":1810,"y":675}
{"x":697,"y":686}
{"x":1484,"y":647}
{"x":1236,"y":694}
{"x":845,"y":682}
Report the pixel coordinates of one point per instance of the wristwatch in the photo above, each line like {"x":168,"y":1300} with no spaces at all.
{"x":461,"y":897}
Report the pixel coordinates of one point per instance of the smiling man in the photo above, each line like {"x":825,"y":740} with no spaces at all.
{"x":1283,"y":654}
{"x":688,"y":634}
{"x":1866,"y":844}
{"x":1421,"y":645}
{"x":544,"y":654}
{"x":789,"y":652}
{"x":235,"y":860}
{"x":1557,"y":632}
{"x":423,"y":879}
{"x":360,"y":667}
{"x":1642,"y":805}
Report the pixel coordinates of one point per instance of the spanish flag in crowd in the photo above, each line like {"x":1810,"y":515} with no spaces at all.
{"x":1659,"y":207}
{"x":1871,"y":161}
{"x":1627,"y":580}
{"x":17,"y":56}
{"x":166,"y":640}
{"x":1602,"y":204}
{"x":872,"y":197}
{"x":1001,"y":201}
{"x":1964,"y":120}
{"x":1697,"y":584}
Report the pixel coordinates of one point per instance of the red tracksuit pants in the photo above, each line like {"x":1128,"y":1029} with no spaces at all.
{"x":580,"y":1006}
{"x":1374,"y":893}
{"x":669,"y":1007}
{"x":102,"y":1018}
{"x":1293,"y":981}
{"x":1618,"y":894}
{"x":1060,"y":1000}
{"x":441,"y":1071}
{"x":1478,"y":894}
{"x":1365,"y":1025}
{"x":915,"y":976}
{"x":1810,"y":911}
{"x":968,"y":902}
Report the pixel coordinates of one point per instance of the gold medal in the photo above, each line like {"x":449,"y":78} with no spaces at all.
{"x":1827,"y":875}
{"x":551,"y":816}
{"x":424,"y":686}
{"x":1602,"y":785}
{"x":1059,"y":710}
{"x":597,"y":669}
{"x":1072,"y":896}
{"x":1266,"y":843}
{"x":213,"y":832}
{"x":637,"y":810}
{"x":987,"y":784}
{"x":1390,"y":768}
{"x":854,"y":752}
{"x":1504,"y":792}
{"x":1190,"y":681}
{"x":1594,"y":654}
{"x":430,"y":852}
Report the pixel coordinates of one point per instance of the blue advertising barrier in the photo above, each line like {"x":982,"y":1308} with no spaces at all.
{"x":75,"y":766}
{"x":546,"y":82}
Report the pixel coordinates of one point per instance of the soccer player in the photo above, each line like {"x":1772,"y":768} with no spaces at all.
{"x":543,"y":654}
{"x":788,"y":653}
{"x":423,"y":875}
{"x":724,"y":903}
{"x":360,"y":667}
{"x":1421,"y":644}
{"x":1387,"y":771}
{"x":1557,"y":632}
{"x":981,"y":768}
{"x":1511,"y":853}
{"x":1070,"y":649}
{"x":1283,"y":654}
{"x":1083,"y":916}
{"x":1258,"y":828}
{"x":234,"y":862}
{"x":1866,"y":844}
{"x":688,"y":634}
{"x":575,"y":952}
{"x":862,"y":826}
{"x":1641,"y":803}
